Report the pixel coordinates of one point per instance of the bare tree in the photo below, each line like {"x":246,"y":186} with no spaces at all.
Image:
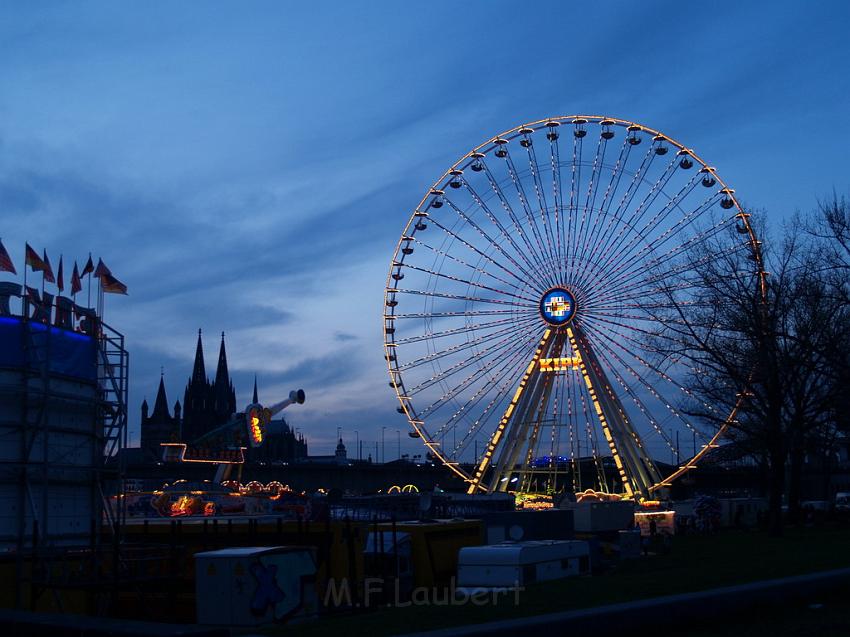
{"x":758,"y":345}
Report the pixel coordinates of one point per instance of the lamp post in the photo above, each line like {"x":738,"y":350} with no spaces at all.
{"x":383,"y":446}
{"x":398,"y":441}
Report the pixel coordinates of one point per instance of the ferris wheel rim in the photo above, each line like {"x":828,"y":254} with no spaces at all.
{"x":438,"y":188}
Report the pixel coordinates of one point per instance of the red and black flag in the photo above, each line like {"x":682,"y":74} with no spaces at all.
{"x":33,"y":260}
{"x":6,"y":264}
{"x":60,"y":282}
{"x":88,"y":268}
{"x":48,"y":271}
{"x":101,"y":269}
{"x":76,"y":284}
{"x":111,"y":285}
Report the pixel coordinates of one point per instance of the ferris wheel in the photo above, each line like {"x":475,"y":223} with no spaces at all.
{"x":525,"y":292}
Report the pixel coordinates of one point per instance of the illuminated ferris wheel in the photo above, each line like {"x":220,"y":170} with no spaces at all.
{"x":524,"y":295}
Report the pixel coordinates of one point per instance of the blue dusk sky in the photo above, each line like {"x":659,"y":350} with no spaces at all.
{"x":248,"y":167}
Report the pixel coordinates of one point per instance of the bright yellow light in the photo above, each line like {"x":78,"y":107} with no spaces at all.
{"x":559,"y":364}
{"x":256,"y":432}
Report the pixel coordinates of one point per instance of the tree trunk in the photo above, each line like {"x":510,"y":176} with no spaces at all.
{"x":795,"y":478}
{"x":776,"y":488}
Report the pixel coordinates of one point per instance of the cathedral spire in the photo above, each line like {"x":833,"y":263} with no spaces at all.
{"x":255,"y":400}
{"x":160,"y":407}
{"x":223,"y":395}
{"x":221,"y":375}
{"x":199,"y":373}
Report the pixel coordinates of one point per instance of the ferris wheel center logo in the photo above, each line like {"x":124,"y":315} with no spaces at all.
{"x":557,"y":307}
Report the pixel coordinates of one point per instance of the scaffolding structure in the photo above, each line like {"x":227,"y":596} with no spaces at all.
{"x":63,"y":424}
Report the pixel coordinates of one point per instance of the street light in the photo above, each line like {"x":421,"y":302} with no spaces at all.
{"x":383,"y":446}
{"x":398,"y":440}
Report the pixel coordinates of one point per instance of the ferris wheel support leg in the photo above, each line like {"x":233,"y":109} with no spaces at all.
{"x":632,"y":464}
{"x":527,"y":469}
{"x":475,"y":485}
{"x":528,"y":413}
{"x":518,"y":434}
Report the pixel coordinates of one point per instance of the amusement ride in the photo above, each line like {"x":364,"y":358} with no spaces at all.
{"x":526,"y":295}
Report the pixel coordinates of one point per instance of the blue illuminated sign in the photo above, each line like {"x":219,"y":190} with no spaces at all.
{"x":558,"y":307}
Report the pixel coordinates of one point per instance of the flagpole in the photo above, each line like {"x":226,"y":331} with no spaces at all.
{"x":25,"y":298}
{"x":88,"y":303}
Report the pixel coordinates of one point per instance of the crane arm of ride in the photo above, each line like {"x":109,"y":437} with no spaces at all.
{"x":255,"y":418}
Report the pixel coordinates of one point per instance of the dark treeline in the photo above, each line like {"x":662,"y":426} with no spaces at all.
{"x":764,"y":328}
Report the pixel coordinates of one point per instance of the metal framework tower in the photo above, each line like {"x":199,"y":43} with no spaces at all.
{"x":63,"y":423}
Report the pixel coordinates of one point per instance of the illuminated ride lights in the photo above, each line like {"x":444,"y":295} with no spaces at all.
{"x":210,"y":448}
{"x":528,"y":293}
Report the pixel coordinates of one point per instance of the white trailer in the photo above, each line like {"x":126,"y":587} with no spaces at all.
{"x":511,"y":563}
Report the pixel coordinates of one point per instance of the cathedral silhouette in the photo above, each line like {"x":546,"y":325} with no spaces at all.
{"x":206,"y":406}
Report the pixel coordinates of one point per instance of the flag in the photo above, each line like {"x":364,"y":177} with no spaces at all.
{"x":60,"y":283}
{"x":101,"y":269}
{"x":111,"y":285}
{"x":33,"y":260}
{"x":48,"y":271}
{"x":88,"y":268}
{"x":33,"y":295}
{"x":6,"y":264}
{"x":76,"y":284}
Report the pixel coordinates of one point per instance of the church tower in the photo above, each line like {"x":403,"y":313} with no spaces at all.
{"x":159,"y":426}
{"x":197,"y":399}
{"x":223,"y":396}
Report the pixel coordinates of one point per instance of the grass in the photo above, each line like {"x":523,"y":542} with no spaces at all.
{"x":694,"y":563}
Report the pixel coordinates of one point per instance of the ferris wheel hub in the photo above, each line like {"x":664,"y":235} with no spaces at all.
{"x":557,"y":306}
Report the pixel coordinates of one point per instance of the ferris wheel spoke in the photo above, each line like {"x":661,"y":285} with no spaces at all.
{"x":499,"y":347}
{"x":501,"y":365}
{"x":477,"y":270}
{"x":617,"y":173}
{"x":535,"y":254}
{"x":616,"y":245}
{"x":614,"y":338}
{"x":593,"y":186}
{"x":543,"y":208}
{"x":474,"y":249}
{"x":441,"y":314}
{"x":642,"y":288}
{"x":659,"y":275}
{"x":463,"y":346}
{"x":547,"y":258}
{"x":429,"y":336}
{"x":466,"y":282}
{"x":497,"y":371}
{"x":659,"y":218}
{"x":557,"y":198}
{"x":593,"y":322}
{"x":462,"y":297}
{"x":495,"y":244}
{"x":627,"y":197}
{"x":502,"y":230}
{"x":628,"y":268}
{"x":593,"y":442}
{"x":575,"y":187}
{"x":640,"y":379}
{"x":601,"y":352}
{"x":501,"y":383}
{"x":628,"y":290}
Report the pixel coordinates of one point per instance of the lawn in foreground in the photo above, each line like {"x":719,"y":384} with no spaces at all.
{"x":694,"y":563}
